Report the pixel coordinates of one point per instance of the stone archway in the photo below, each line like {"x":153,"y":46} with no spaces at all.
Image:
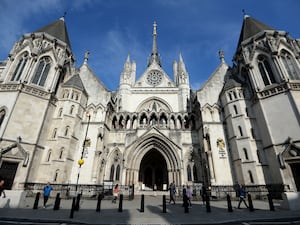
{"x":153,"y":172}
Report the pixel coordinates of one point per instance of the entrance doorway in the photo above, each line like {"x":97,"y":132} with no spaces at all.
{"x":153,"y":171}
{"x":7,"y":172}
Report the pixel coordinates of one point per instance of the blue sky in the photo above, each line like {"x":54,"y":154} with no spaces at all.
{"x":112,"y":29}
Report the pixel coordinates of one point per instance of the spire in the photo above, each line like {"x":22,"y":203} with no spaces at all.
{"x":58,"y":30}
{"x":221,"y":55}
{"x":86,"y":56}
{"x":154,"y":55}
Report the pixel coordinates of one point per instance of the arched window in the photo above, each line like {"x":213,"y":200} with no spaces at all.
{"x":20,"y":67}
{"x":235,"y":109}
{"x":61,"y":153}
{"x":56,"y":175}
{"x":195,"y":173}
{"x":240,"y":130}
{"x":289,"y":65}
{"x":245,"y":153}
{"x":112,"y":171}
{"x":72,"y":109}
{"x":118,"y":172}
{"x":250,"y":176}
{"x":189,"y":173}
{"x":54,"y":133}
{"x":60,"y":111}
{"x":265,"y":71}
{"x":230,"y":96}
{"x":49,"y":155}
{"x":2,"y":115}
{"x":42,"y":71}
{"x":67,"y":130}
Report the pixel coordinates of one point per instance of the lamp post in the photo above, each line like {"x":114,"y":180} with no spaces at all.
{"x":81,"y":161}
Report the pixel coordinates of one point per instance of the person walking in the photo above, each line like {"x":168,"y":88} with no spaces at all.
{"x":47,"y":191}
{"x":2,"y":187}
{"x":242,"y":192}
{"x":172,"y":190}
{"x":115,"y":193}
{"x":189,"y":194}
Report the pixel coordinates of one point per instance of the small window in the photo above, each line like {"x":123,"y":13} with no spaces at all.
{"x":56,"y":175}
{"x":253,"y":133}
{"x":49,"y":156}
{"x":72,"y":109}
{"x":54,"y":133}
{"x":240,"y":130}
{"x":112,"y":172}
{"x":258,"y":156}
{"x":61,"y":153}
{"x":230,"y":96}
{"x":2,"y":115}
{"x":251,"y":177}
{"x":235,"y":109}
{"x":60,"y":111}
{"x":245,"y":153}
{"x":67,"y":130}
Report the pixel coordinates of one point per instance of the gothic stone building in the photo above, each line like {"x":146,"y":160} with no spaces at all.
{"x":241,"y":126}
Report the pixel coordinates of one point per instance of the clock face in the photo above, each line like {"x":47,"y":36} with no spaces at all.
{"x":154,"y":77}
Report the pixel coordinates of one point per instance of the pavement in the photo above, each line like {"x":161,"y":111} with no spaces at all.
{"x":131,"y":213}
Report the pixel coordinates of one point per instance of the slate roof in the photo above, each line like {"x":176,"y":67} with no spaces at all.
{"x":58,"y":30}
{"x":75,"y":82}
{"x":251,"y":27}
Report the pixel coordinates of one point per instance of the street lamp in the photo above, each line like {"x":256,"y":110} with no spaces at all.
{"x":81,"y":161}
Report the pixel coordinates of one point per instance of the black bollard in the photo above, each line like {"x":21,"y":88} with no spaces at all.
{"x":164,"y":204}
{"x":185,"y":204}
{"x":77,"y":202}
{"x":142,"y":203}
{"x":36,"y":201}
{"x":229,"y":203}
{"x":251,"y":208}
{"x":271,"y":203}
{"x":57,"y":202}
{"x":121,"y":203}
{"x":72,"y":208}
{"x":207,"y":204}
{"x":98,"y":209}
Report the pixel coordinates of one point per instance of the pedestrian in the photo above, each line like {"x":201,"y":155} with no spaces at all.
{"x":172,"y":190}
{"x":184,"y":196}
{"x":242,"y":193}
{"x":115,"y":193}
{"x":203,"y":194}
{"x":2,"y":192}
{"x":47,"y":191}
{"x":189,"y":194}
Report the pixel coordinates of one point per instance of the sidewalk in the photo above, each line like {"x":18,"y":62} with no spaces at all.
{"x":153,"y":212}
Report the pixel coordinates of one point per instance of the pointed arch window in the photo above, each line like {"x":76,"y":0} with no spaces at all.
{"x":235,"y":109}
{"x":118,"y":172}
{"x":246,"y":153}
{"x":67,"y":130}
{"x":250,"y":177}
{"x":2,"y":115}
{"x":72,"y":109}
{"x":265,"y":71}
{"x":289,"y":65}
{"x":60,"y":111}
{"x":49,"y":155}
{"x":54,"y":133}
{"x":20,"y":67}
{"x":195,"y":174}
{"x":42,"y":71}
{"x":240,"y":130}
{"x":61,"y":153}
{"x":189,"y":173}
{"x":56,"y":175}
{"x":112,"y":172}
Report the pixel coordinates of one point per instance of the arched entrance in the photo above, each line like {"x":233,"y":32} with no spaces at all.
{"x":153,"y":170}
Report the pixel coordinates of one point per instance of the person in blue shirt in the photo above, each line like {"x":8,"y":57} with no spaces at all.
{"x":242,"y":193}
{"x":47,"y":190}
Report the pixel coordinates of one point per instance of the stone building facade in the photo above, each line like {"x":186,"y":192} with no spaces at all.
{"x":241,"y":126}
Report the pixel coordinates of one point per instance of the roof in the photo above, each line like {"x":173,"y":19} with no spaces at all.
{"x":251,"y":27}
{"x":75,"y":82}
{"x":58,"y":30}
